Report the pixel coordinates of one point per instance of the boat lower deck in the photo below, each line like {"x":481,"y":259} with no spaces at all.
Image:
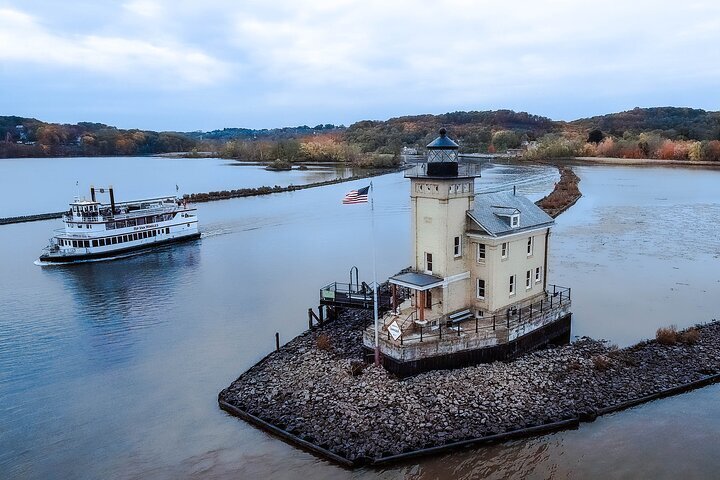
{"x":108,"y":254}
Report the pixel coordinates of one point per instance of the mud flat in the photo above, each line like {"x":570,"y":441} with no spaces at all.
{"x":316,"y":394}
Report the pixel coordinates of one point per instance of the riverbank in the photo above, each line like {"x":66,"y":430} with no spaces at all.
{"x":655,"y":162}
{"x":307,"y":393}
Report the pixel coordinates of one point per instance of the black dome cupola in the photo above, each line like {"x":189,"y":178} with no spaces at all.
{"x":442,"y":156}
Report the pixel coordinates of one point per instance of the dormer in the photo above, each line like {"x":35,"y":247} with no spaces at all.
{"x":510,"y":215}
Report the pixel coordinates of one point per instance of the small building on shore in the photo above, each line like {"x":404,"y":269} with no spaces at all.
{"x":477,"y":290}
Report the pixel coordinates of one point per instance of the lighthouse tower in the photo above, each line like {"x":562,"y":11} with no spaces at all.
{"x":442,"y":192}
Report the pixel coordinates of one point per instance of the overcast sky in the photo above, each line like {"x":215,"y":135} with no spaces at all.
{"x":192,"y":65}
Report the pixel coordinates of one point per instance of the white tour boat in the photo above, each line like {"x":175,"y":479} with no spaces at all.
{"x":96,"y":231}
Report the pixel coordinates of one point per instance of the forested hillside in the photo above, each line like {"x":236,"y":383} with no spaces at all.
{"x":475,"y":131}
{"x":663,"y":132}
{"x":28,"y":137}
{"x":670,"y":122}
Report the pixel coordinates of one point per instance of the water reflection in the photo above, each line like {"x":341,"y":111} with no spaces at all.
{"x":117,"y":299}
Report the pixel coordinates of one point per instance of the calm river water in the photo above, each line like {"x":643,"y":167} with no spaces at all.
{"x":112,"y":369}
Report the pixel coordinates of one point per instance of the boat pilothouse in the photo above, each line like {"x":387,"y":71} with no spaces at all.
{"x":94,"y":230}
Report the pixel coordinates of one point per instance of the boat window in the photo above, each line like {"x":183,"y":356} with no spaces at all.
{"x":74,"y":243}
{"x":94,"y":243}
{"x":167,"y":230}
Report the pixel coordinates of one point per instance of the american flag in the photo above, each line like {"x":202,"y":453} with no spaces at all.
{"x":356,"y":196}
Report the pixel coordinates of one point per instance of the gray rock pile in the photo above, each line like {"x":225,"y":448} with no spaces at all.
{"x":314,"y":394}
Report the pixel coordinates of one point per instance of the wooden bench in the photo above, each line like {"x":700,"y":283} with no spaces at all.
{"x":458,"y":317}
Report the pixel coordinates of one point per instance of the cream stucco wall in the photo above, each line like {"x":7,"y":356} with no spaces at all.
{"x":439,"y":211}
{"x":496,"y":271}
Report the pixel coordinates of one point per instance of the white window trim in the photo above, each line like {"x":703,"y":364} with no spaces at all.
{"x":531,"y":246}
{"x":459,"y":247}
{"x":513,"y":285}
{"x":477,"y":289}
{"x":479,"y":259}
{"x":528,"y":280}
{"x":515,"y":220}
{"x":507,"y":250}
{"x":428,"y":264}
{"x":538,"y":274}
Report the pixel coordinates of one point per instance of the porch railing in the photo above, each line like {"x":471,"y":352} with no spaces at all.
{"x":515,"y":316}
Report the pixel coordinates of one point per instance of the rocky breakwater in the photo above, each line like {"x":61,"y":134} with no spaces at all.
{"x":316,"y":392}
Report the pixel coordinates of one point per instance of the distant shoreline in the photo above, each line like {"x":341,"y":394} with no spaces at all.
{"x":640,"y":162}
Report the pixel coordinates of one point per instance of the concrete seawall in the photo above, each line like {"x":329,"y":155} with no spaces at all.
{"x":31,"y":218}
{"x":221,"y":195}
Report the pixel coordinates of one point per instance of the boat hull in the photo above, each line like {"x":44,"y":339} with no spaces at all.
{"x":110,"y":254}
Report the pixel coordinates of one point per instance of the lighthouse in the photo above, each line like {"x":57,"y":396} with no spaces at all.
{"x":476,"y":290}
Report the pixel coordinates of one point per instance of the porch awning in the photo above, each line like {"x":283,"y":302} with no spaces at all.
{"x":416,"y":281}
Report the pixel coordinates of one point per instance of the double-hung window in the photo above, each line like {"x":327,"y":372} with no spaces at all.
{"x":480,"y":288}
{"x":428,"y":262}
{"x":481,"y":253}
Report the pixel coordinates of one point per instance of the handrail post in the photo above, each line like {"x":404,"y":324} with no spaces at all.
{"x":493,"y":322}
{"x":476,"y":324}
{"x":560,"y":298}
{"x":421,"y":332}
{"x":440,"y":329}
{"x":569,"y":290}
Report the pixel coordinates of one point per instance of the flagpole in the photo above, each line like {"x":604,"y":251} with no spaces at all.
{"x":375,"y":289}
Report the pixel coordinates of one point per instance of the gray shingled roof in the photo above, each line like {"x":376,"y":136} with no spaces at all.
{"x":492,"y":210}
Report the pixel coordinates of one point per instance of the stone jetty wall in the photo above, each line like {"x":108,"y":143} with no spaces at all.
{"x":323,"y":400}
{"x":225,"y":194}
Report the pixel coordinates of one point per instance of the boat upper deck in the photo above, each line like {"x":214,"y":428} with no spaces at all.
{"x":122,"y":211}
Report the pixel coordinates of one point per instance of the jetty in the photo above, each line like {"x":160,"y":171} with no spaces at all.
{"x":317,"y":393}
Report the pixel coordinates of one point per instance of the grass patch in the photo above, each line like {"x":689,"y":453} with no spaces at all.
{"x":667,"y":336}
{"x":323,"y":342}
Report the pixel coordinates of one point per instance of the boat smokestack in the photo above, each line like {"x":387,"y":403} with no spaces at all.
{"x":92,"y":192}
{"x":112,"y":200}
